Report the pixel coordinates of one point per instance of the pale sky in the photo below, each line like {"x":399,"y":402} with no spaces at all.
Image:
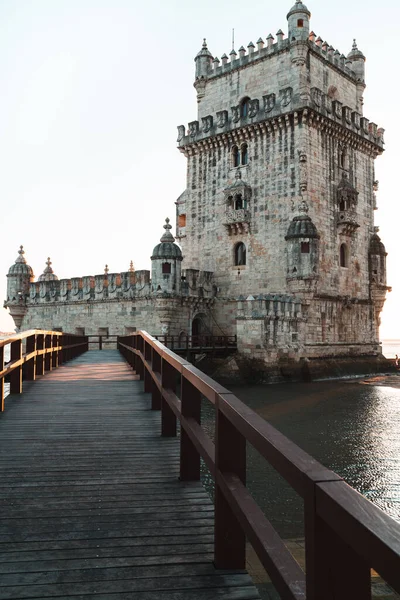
{"x":92,"y":92}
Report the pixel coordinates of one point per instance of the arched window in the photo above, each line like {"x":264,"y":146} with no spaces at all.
{"x":240,"y":254}
{"x":166,"y":268}
{"x":231,"y":204}
{"x":344,"y":256}
{"x":342,"y":206}
{"x":300,"y":23}
{"x":244,"y":108}
{"x":245,"y":154}
{"x":235,"y":156}
{"x":238,"y":202}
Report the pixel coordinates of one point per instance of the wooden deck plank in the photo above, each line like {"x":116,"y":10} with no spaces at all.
{"x":91,"y":504}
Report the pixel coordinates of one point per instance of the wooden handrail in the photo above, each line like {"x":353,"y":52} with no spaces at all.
{"x":345,"y":534}
{"x":44,"y":351}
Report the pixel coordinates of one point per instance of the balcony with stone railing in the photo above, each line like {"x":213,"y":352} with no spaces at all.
{"x":237,"y":221}
{"x":347,"y":222}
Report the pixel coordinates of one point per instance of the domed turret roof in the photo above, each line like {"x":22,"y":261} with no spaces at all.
{"x":355,"y":53}
{"x":302,"y":227}
{"x":204,"y":51}
{"x":299,"y":7}
{"x":48,"y":273}
{"x":167,"y":248}
{"x":376,"y":246}
{"x":20,"y":267}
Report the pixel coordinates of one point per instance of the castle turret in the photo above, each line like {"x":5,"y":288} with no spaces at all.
{"x":203,"y":62}
{"x":298,"y":22}
{"x":48,"y":273}
{"x":357,"y":60}
{"x":19,"y":278}
{"x":166,"y":264}
{"x":302,"y":249}
{"x":377,"y":276}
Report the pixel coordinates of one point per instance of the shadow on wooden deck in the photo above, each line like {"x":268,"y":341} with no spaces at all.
{"x":91,"y":505}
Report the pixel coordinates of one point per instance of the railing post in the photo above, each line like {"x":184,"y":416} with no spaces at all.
{"x":139,"y":362}
{"x":54,"y":354}
{"x":155,"y":392}
{"x":191,"y":409}
{"x":168,"y":419}
{"x":39,"y":357}
{"x":330,"y":561}
{"x":100,"y":342}
{"x":16,"y":375}
{"x":47,"y":356}
{"x":147,"y":375}
{"x":30,"y":367}
{"x":2,"y":380}
{"x":230,"y":457}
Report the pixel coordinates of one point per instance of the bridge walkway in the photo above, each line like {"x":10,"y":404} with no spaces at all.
{"x":91,"y":505}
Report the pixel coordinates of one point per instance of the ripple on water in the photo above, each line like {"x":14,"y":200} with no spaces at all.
{"x":352,"y":429}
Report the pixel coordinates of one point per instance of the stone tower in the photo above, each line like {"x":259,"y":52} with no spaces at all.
{"x":166,"y":264}
{"x":19,"y":278}
{"x":279,"y":201}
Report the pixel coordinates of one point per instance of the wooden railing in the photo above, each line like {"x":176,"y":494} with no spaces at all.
{"x":345,"y":534}
{"x":199,"y":342}
{"x":34,"y":352}
{"x":102,"y":340}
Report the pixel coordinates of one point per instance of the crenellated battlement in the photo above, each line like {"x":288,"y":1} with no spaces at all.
{"x":272,"y":47}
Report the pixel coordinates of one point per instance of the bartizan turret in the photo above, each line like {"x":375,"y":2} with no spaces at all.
{"x":298,"y":34}
{"x":357,"y":60}
{"x":19,"y":279}
{"x":166,"y":264}
{"x":203,"y":62}
{"x":298,"y":22}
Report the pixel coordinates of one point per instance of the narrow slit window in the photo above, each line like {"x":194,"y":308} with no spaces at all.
{"x":245,"y":154}
{"x":344,"y":257}
{"x":235,"y":156}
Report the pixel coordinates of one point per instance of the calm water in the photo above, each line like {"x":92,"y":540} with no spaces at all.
{"x":351,"y":428}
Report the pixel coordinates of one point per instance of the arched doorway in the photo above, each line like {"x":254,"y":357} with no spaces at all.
{"x":199,"y":329}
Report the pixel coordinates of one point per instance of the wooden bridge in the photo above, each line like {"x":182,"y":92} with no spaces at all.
{"x":101,"y":499}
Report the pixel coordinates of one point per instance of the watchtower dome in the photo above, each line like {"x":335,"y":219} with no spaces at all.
{"x":19,"y":277}
{"x":166,"y":264}
{"x":298,"y":22}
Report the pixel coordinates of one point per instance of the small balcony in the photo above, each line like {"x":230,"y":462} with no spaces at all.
{"x":237,"y":221}
{"x":347,"y":222}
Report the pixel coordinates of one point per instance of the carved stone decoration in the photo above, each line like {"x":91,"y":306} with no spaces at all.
{"x":222,"y":118}
{"x":316,"y":96}
{"x":337,"y":109}
{"x":235,"y":113}
{"x":193,"y":128}
{"x":181,"y":133}
{"x":207,"y":123}
{"x":364,"y":125}
{"x":327,"y":102}
{"x":200,"y":85}
{"x":347,"y":114}
{"x":269,"y":102}
{"x":254,"y":107}
{"x":303,"y":208}
{"x":356,"y":118}
{"x":303,"y":171}
{"x":286,"y":96}
{"x":347,"y":200}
